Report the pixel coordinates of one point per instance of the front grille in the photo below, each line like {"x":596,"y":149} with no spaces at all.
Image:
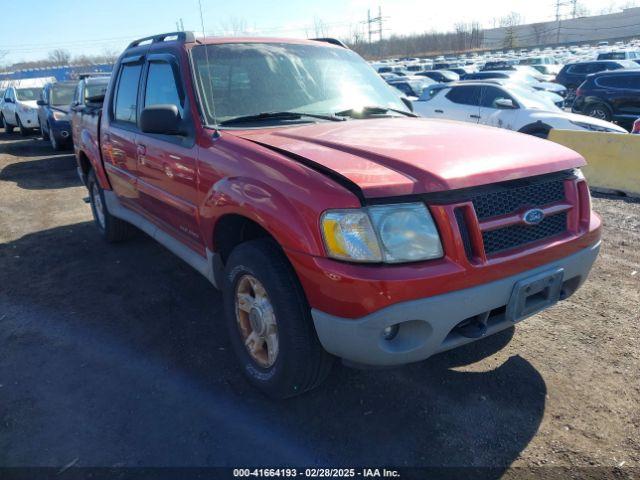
{"x":511,"y":198}
{"x":517,"y":235}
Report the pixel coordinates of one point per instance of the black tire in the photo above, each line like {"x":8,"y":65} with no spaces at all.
{"x":44,"y":134}
{"x":301,"y":363}
{"x":600,"y":111}
{"x":23,"y":131}
{"x":55,"y":144}
{"x":112,"y":229}
{"x":540,"y":133}
{"x":7,"y":128}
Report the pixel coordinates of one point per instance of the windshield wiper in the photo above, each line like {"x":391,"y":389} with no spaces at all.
{"x":372,"y":110}
{"x":279,"y":116}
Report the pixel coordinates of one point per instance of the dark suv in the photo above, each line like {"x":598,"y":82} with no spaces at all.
{"x":53,"y":113}
{"x":573,"y":74}
{"x":610,"y":96}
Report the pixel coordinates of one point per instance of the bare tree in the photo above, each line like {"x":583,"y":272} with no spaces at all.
{"x":110,"y":55}
{"x":235,"y":26}
{"x":59,"y":56}
{"x":320,"y":28}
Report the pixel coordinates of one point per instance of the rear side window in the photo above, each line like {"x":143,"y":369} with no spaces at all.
{"x":127,"y":93}
{"x":467,"y":95}
{"x":161,"y":86}
{"x":579,"y":68}
{"x":620,"y":81}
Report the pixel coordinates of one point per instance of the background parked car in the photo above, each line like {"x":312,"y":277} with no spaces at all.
{"x":411,"y":86}
{"x":573,"y":74}
{"x":509,"y":107}
{"x":610,"y":96}
{"x":53,"y":113}
{"x":19,"y":109}
{"x":520,"y":77}
{"x":442,"y":76}
{"x":619,"y":55}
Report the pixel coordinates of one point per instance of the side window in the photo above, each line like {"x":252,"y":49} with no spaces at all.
{"x":492,"y":94}
{"x":465,"y":95}
{"x":580,"y":68}
{"x":126,"y":101}
{"x":161,"y":86}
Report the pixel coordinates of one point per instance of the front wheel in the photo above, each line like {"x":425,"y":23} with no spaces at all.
{"x":269,"y":322}
{"x":43,"y":133}
{"x":7,"y":128}
{"x":599,"y":111}
{"x":112,"y":229}
{"x":23,"y":131}
{"x":55,"y":145}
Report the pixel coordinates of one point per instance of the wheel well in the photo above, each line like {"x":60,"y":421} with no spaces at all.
{"x":232,"y":230}
{"x":85,"y":164}
{"x":535,"y":127}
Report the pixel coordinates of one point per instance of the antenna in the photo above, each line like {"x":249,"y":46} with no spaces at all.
{"x":209,"y":74}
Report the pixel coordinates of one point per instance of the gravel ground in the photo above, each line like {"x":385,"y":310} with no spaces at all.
{"x":115,"y":355}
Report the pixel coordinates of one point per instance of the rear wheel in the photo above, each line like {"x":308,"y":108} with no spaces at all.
{"x":7,"y":128}
{"x":111,"y":228}
{"x":269,"y":322}
{"x":600,"y":111}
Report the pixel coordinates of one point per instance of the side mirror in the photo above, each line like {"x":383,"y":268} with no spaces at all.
{"x":41,"y":103}
{"x":408,"y":103}
{"x":8,"y":100}
{"x":163,"y":119}
{"x":504,"y":103}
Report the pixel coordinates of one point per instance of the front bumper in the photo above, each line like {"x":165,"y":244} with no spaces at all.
{"x":61,"y":130}
{"x":29,"y":119}
{"x":428,"y":325}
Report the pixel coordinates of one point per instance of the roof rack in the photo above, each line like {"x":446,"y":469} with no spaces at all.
{"x":332,"y":41}
{"x":185,"y":37}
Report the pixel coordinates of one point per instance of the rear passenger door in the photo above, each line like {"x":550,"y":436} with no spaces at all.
{"x":119,"y":141}
{"x":167,"y":165}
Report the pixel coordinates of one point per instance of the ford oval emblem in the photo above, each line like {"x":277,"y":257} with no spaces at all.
{"x":533,"y":217}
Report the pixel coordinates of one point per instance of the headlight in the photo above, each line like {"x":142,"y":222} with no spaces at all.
{"x":386,"y":233}
{"x":58,"y":116}
{"x":594,"y":128}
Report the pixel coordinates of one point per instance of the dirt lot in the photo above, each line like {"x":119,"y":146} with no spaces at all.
{"x":115,"y":355}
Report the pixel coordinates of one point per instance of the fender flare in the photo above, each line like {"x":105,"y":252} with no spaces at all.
{"x":264,"y":205}
{"x":91,"y":151}
{"x":535,"y":126}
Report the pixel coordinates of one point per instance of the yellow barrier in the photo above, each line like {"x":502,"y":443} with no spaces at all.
{"x":613,"y":159}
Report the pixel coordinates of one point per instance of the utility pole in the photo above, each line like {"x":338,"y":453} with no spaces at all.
{"x":377,"y":30}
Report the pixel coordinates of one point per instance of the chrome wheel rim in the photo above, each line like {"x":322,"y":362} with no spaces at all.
{"x":599,"y":114}
{"x":256,"y":321}
{"x":98,"y":206}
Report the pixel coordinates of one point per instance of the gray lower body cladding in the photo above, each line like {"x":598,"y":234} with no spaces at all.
{"x":431,"y":325}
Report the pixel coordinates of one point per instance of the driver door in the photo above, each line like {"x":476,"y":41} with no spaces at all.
{"x":495,"y":115}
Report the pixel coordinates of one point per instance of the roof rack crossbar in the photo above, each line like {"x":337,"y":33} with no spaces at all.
{"x":185,"y":37}
{"x":332,"y":41}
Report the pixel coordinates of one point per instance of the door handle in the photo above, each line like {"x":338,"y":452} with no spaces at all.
{"x":475,"y":116}
{"x":439,"y":111}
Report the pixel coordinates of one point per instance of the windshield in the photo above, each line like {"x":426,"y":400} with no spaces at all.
{"x":530,"y":98}
{"x":95,"y":90}
{"x":251,"y":78}
{"x":62,"y":95}
{"x":612,"y":56}
{"x":26,"y":94}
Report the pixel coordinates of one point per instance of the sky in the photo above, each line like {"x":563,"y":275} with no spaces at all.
{"x":32,"y":28}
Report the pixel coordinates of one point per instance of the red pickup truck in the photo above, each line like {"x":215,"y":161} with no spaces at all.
{"x":335,"y":222}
